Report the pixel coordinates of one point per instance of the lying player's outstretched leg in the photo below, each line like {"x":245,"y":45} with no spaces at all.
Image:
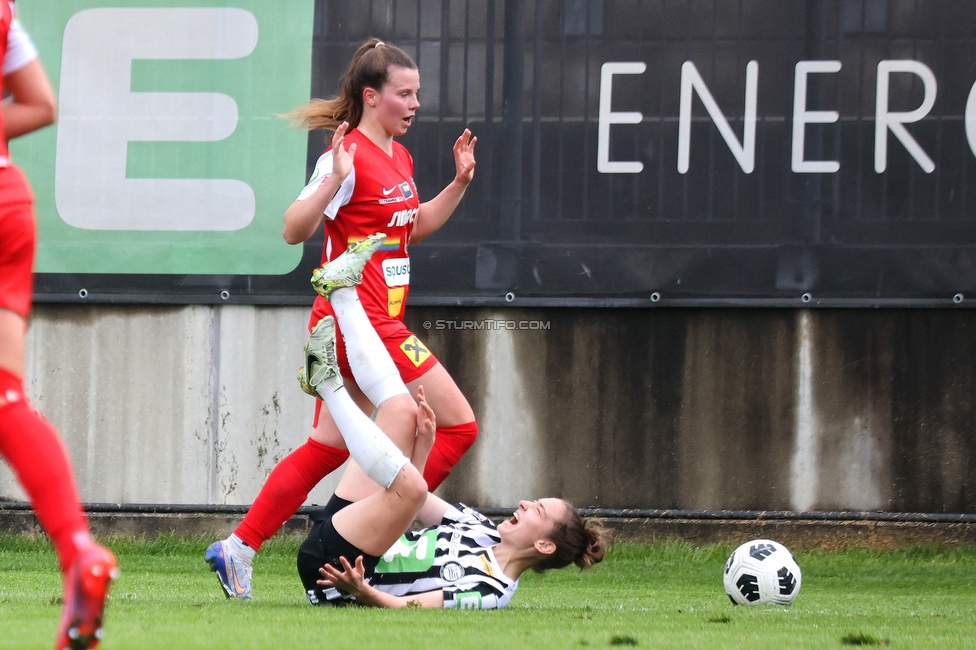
{"x":230,"y":559}
{"x":475,"y":564}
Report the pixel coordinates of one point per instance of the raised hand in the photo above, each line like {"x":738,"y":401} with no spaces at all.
{"x":426,"y":421}
{"x":464,"y":157}
{"x":342,"y":158}
{"x":426,"y":429}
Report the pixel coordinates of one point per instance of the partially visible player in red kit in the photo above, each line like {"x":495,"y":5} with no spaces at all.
{"x":361,"y":186}
{"x":27,"y":441}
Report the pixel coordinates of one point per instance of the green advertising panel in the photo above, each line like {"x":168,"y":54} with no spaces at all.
{"x":168,"y":156}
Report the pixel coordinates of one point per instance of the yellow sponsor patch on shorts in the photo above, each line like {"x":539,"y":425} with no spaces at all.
{"x":395,"y":301}
{"x":415,"y":350}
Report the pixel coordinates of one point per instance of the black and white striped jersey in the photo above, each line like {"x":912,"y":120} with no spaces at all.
{"x":455,"y":557}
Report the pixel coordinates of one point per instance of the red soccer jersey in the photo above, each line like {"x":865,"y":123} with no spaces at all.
{"x":379,"y":195}
{"x":16,"y":217}
{"x":6,"y":18}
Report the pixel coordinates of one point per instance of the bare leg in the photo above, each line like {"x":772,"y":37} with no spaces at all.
{"x":373,"y":524}
{"x":444,"y":396}
{"x":13,"y":333}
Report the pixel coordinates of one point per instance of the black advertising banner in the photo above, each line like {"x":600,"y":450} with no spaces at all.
{"x":655,"y":152}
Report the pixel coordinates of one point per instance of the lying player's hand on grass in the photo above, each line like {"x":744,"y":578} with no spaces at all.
{"x":352,"y":579}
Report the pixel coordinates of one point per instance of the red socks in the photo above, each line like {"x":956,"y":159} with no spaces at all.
{"x":38,"y":457}
{"x":294,"y":477}
{"x":287,"y":488}
{"x":449,"y":445}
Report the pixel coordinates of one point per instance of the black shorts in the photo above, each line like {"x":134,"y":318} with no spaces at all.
{"x":324,"y":545}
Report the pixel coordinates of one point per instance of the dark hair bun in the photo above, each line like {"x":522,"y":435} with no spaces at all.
{"x":597,"y":540}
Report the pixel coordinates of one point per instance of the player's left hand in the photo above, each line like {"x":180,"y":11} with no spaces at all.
{"x":464,"y":157}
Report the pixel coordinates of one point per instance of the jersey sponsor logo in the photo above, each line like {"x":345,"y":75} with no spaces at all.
{"x":402,"y":217}
{"x":455,"y":544}
{"x":394,"y":302}
{"x":396,"y":271}
{"x":409,"y":556}
{"x":416,"y":351}
{"x":452,"y":572}
{"x":468,"y":510}
{"x":406,"y":192}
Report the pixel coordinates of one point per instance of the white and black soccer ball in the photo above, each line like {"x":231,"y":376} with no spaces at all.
{"x":762,"y":572}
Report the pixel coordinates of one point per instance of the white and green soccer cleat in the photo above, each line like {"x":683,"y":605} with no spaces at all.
{"x":347,"y":269}
{"x":303,"y":382}
{"x":320,"y":358}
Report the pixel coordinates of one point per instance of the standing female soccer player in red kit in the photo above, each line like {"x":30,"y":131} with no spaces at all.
{"x":27,"y":441}
{"x":361,"y":186}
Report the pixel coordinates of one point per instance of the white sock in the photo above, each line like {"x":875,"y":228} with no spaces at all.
{"x":368,"y":445}
{"x":369,"y":360}
{"x":239,"y":548}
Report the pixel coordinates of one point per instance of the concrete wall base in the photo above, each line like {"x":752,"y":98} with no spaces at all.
{"x":796,"y":534}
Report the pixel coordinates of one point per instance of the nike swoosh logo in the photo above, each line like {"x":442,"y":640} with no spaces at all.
{"x":386,"y":192}
{"x":237,"y":585}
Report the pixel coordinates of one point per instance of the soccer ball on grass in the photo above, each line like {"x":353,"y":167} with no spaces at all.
{"x":762,"y":572}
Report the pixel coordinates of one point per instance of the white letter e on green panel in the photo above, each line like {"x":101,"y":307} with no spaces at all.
{"x":99,"y":115}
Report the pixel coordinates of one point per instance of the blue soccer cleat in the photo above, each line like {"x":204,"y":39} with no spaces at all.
{"x":233,"y":572}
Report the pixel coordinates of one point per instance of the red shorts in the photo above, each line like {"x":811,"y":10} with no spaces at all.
{"x":410,"y":355}
{"x":17,"y":232}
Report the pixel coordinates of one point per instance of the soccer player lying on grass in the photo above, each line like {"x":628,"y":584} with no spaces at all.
{"x":360,"y":547}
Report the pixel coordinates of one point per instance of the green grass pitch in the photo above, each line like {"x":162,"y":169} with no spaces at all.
{"x":667,"y":595}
